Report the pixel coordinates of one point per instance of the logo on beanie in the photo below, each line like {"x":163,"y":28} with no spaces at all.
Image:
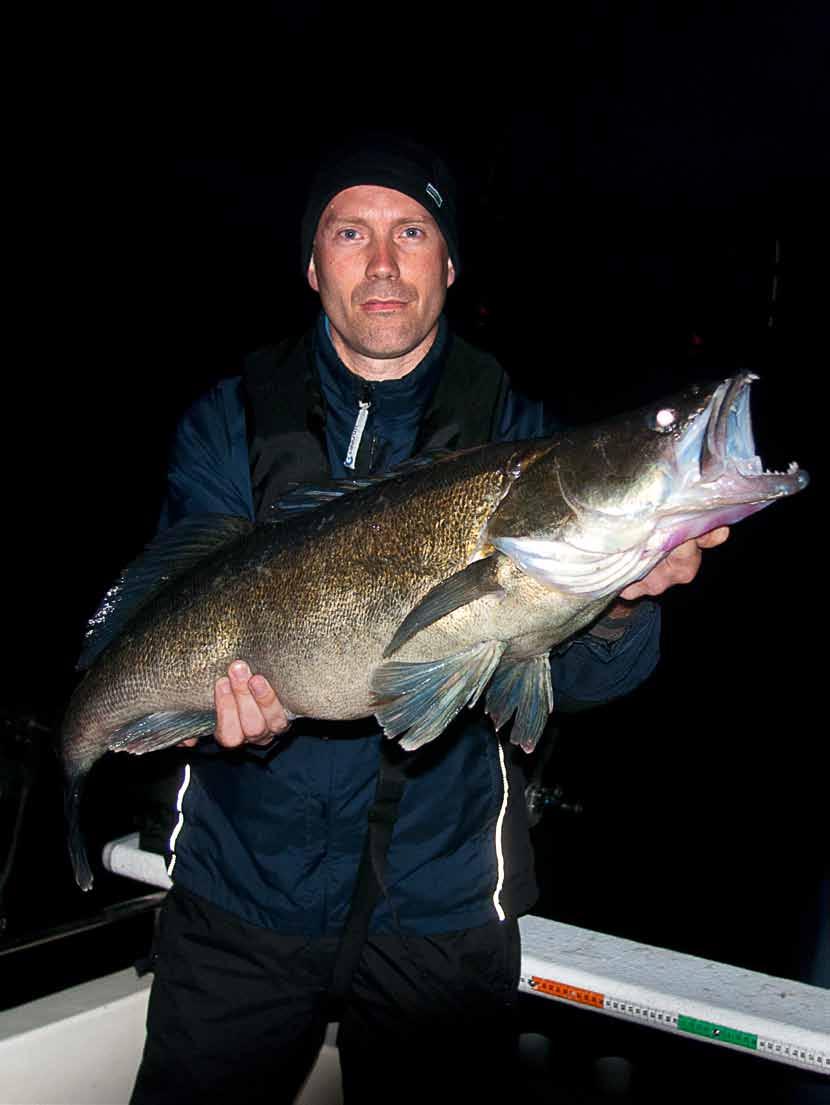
{"x":434,"y":195}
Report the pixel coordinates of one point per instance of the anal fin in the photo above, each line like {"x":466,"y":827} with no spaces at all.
{"x":153,"y":732}
{"x":522,"y":687}
{"x":421,"y":699}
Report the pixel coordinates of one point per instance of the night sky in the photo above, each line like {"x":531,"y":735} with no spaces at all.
{"x":645,"y":191}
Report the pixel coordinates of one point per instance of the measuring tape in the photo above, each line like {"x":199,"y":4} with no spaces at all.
{"x":679,"y":1022}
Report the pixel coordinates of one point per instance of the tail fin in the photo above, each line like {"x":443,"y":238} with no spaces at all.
{"x":75,"y":840}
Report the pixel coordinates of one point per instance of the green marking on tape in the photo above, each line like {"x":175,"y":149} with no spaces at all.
{"x":719,"y":1032}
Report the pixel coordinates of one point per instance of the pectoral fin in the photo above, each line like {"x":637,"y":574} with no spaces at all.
{"x":522,"y":687}
{"x":422,"y":699}
{"x":471,"y":583}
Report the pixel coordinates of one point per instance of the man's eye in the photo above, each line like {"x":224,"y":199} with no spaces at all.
{"x":349,"y":233}
{"x":413,"y":232}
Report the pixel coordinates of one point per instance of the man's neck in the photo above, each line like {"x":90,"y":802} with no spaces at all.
{"x":382,"y":368}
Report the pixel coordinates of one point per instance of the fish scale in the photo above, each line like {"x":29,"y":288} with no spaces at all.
{"x":405,"y":597}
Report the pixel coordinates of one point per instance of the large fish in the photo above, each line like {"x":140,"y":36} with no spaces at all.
{"x":407,"y":597}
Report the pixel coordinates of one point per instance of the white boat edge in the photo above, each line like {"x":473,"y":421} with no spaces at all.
{"x":46,"y":1059}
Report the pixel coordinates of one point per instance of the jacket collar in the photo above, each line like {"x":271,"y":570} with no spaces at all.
{"x":400,"y":402}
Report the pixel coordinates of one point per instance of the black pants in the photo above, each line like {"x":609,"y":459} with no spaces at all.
{"x":238,"y":1013}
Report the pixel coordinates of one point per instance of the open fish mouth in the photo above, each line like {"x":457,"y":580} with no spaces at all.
{"x":717,"y":464}
{"x":705,"y":474}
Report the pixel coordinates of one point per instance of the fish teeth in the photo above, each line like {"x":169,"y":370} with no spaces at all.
{"x":791,"y":470}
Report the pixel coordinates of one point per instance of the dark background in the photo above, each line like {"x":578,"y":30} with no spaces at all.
{"x":646,"y":193}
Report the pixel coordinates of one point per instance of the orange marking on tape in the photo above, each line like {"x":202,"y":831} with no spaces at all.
{"x":569,"y":993}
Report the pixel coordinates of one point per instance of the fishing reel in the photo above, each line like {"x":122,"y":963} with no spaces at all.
{"x":545,"y":800}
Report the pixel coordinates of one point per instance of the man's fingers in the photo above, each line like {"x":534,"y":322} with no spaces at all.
{"x":247,"y":708}
{"x":228,"y":725}
{"x":251,"y":720}
{"x":714,"y":537}
{"x":269,"y":705}
{"x":680,"y":566}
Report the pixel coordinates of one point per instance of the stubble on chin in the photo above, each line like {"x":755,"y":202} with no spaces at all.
{"x":385,"y":340}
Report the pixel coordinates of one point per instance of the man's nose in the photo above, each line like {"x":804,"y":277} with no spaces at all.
{"x":382,"y":263}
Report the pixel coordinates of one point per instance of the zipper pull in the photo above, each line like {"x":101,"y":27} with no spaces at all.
{"x":359,"y":426}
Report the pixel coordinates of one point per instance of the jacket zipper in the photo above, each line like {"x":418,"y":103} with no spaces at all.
{"x":363,"y":405}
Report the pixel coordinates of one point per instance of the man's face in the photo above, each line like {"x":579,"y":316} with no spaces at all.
{"x":381,"y":266}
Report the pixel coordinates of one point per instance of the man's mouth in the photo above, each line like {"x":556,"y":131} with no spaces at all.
{"x":378,"y":306}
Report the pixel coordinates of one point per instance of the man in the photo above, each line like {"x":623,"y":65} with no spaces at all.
{"x":266,"y":854}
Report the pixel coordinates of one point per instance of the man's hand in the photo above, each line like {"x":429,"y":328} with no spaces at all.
{"x":680,"y":566}
{"x":247,"y":709}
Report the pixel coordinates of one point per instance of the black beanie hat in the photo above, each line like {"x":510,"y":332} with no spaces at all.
{"x":390,"y":162}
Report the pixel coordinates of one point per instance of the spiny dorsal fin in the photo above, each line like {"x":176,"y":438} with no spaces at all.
{"x":168,"y":557}
{"x":308,"y":496}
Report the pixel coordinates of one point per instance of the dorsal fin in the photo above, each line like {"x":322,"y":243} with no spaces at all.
{"x":308,"y":496}
{"x":166,"y":558}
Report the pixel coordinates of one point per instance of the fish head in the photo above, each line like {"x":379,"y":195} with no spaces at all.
{"x":603,"y":504}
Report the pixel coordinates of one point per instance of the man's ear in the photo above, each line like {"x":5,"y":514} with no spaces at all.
{"x":450,"y":273}
{"x":312,"y":275}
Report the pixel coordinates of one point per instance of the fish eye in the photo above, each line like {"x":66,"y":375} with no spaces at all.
{"x":664,"y":419}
